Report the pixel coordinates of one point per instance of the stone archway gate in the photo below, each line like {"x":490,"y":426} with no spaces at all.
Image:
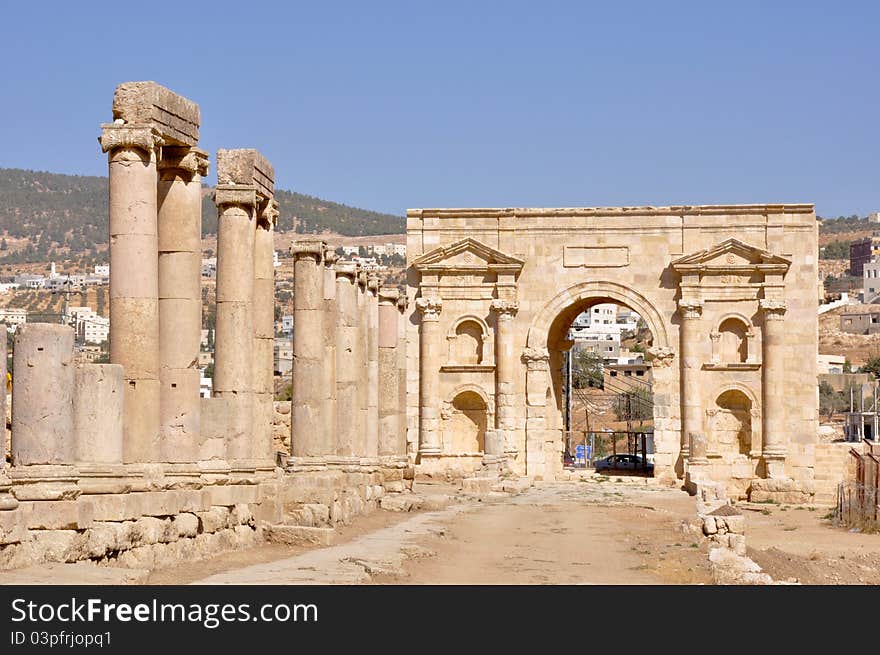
{"x":528,"y":272}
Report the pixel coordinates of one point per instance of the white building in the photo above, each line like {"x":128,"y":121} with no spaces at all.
{"x":13,"y":317}
{"x":870,"y":282}
{"x":94,"y":330}
{"x":102,"y":270}
{"x":30,"y":281}
{"x":209,"y":267}
{"x":287,"y":324}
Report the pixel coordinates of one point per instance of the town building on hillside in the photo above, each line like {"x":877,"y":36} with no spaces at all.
{"x":861,"y":319}
{"x":627,"y":377}
{"x":862,"y":252}
{"x":283,"y":356}
{"x":102,"y":270}
{"x":28,"y":281}
{"x":13,"y":317}
{"x":209,"y":267}
{"x":870,"y":281}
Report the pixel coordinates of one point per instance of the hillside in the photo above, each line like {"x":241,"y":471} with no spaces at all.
{"x":45,"y":216}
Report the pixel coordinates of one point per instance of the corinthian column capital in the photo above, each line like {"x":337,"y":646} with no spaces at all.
{"x":429,"y":308}
{"x":241,"y":195}
{"x":504,"y":308}
{"x":774,"y":310}
{"x":690,"y":308}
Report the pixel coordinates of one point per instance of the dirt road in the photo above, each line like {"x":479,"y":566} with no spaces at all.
{"x":569,"y":533}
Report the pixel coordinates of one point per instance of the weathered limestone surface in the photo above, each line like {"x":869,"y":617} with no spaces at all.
{"x":98,"y":393}
{"x":702,"y":277}
{"x":42,"y":405}
{"x":388,"y":388}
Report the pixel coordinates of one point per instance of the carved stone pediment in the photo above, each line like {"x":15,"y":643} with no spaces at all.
{"x":467,"y":256}
{"x":732,"y":257}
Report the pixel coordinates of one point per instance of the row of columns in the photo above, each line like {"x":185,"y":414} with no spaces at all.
{"x":348,"y":371}
{"x":772,"y":385}
{"x":92,"y":424}
{"x":243,"y":386}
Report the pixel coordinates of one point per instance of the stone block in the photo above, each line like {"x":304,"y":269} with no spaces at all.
{"x":241,"y":514}
{"x":296,"y":535}
{"x":12,"y":527}
{"x":59,"y":545}
{"x":187,"y":525}
{"x":737,"y":543}
{"x":320,"y":513}
{"x":58,"y":514}
{"x":213,"y":519}
{"x":736,"y":524}
{"x":709,"y":526}
{"x":175,"y":117}
{"x":397,"y":503}
{"x":233,"y":494}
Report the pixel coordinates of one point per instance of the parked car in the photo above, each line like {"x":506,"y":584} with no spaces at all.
{"x":624,"y":463}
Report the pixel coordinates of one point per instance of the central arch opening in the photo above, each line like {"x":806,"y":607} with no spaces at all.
{"x":602,"y":387}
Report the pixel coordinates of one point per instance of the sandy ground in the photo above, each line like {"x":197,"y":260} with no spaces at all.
{"x":593,"y":532}
{"x":597,"y":531}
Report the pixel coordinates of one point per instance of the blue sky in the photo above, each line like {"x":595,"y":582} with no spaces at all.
{"x":390,"y":105}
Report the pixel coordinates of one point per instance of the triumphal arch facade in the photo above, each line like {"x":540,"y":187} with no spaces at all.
{"x":729,"y":294}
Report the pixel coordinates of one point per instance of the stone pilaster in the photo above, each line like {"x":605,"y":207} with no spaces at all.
{"x":264,"y":334}
{"x":180,"y":304}
{"x":691,"y":404}
{"x":233,"y":343}
{"x":308,"y":442}
{"x":347,"y":369}
{"x":429,"y":375}
{"x":372,"y":315}
{"x":501,"y":442}
{"x":134,"y":280}
{"x":773,"y":385}
{"x":391,"y":444}
{"x":361,"y":354}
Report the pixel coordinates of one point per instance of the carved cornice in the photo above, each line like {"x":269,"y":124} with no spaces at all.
{"x":504,"y":308}
{"x":690,"y":308}
{"x":239,"y":195}
{"x":429,"y":308}
{"x":774,"y":310}
{"x":119,"y":135}
{"x":660,"y":356}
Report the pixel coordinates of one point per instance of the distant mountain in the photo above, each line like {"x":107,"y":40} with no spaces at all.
{"x":66,"y":215}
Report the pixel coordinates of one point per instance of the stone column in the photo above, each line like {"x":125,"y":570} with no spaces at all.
{"x":180,"y":301}
{"x":360,"y":444}
{"x":390,"y":442}
{"x":691,"y":404}
{"x":134,"y":281}
{"x":331,"y":325}
{"x":98,"y":394}
{"x":372,"y":315}
{"x":308,"y":441}
{"x":773,"y":384}
{"x":401,"y":375}
{"x":505,"y":382}
{"x":264,"y":335}
{"x":4,"y":476}
{"x":429,"y":376}
{"x":347,"y":365}
{"x":42,"y":400}
{"x":234,"y":340}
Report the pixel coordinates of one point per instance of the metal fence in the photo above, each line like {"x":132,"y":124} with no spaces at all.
{"x":583,"y":448}
{"x":858,"y":506}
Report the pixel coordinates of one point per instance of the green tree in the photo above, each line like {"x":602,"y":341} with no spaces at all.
{"x":586,"y":369}
{"x":872,"y":366}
